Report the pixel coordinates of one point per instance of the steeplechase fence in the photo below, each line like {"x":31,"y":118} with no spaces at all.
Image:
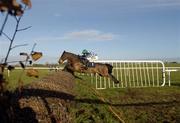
{"x":143,"y":73}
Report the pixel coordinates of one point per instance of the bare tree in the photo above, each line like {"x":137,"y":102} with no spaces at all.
{"x":15,"y":10}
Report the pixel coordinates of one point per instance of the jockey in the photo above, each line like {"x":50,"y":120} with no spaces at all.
{"x":84,"y":56}
{"x":85,"y":53}
{"x":88,"y":58}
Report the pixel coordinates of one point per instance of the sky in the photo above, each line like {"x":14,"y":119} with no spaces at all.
{"x":114,"y":29}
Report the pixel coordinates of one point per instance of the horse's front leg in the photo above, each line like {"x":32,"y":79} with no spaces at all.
{"x":79,"y":67}
{"x":69,"y":69}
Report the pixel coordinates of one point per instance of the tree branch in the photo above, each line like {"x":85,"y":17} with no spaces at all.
{"x":20,"y":45}
{"x":32,"y":50}
{"x":18,"y":19}
{"x":24,"y":28}
{"x":6,"y":36}
{"x":15,"y":18}
{"x":2,"y":28}
{"x":13,"y":37}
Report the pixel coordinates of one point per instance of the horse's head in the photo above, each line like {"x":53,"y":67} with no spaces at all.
{"x":62,"y":58}
{"x":69,"y":57}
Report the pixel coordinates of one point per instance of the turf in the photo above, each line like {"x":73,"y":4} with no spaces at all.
{"x":15,"y":75}
{"x":151,"y":104}
{"x":133,"y":105}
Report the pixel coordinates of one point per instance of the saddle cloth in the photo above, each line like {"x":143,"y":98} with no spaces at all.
{"x":86,"y":62}
{"x":90,"y":64}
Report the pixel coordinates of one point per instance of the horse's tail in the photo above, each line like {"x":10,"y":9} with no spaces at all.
{"x":113,"y":79}
{"x":110,"y":67}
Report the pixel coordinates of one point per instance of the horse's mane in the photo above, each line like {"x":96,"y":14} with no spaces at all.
{"x":71,"y":54}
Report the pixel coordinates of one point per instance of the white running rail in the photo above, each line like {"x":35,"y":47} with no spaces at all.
{"x":132,"y":73}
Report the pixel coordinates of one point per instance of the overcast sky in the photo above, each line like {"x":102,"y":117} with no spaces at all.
{"x":114,"y":29}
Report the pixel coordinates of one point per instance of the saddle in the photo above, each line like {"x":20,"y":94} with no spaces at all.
{"x":91,"y":64}
{"x":86,"y":62}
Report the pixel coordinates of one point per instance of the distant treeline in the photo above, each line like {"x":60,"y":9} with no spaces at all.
{"x":42,"y":65}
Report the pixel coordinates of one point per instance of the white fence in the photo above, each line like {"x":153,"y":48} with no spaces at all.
{"x":132,"y":74}
{"x":170,"y":70}
{"x":144,"y":73}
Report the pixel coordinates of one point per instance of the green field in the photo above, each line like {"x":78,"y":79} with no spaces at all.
{"x":15,"y":75}
{"x":159,"y":104}
{"x":132,"y":105}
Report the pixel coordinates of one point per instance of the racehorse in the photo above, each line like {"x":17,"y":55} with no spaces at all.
{"x":75,"y":64}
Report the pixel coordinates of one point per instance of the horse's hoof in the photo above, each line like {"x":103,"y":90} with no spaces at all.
{"x":117,"y":82}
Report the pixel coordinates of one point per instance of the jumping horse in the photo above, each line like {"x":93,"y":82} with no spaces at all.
{"x":75,"y":64}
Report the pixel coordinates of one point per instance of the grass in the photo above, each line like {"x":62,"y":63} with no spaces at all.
{"x":172,"y":64}
{"x":158,"y":104}
{"x":88,"y":108}
{"x":133,"y":105}
{"x":12,"y":80}
{"x":175,"y":78}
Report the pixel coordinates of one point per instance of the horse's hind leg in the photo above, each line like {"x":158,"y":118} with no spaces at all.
{"x":100,"y":74}
{"x":113,"y":78}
